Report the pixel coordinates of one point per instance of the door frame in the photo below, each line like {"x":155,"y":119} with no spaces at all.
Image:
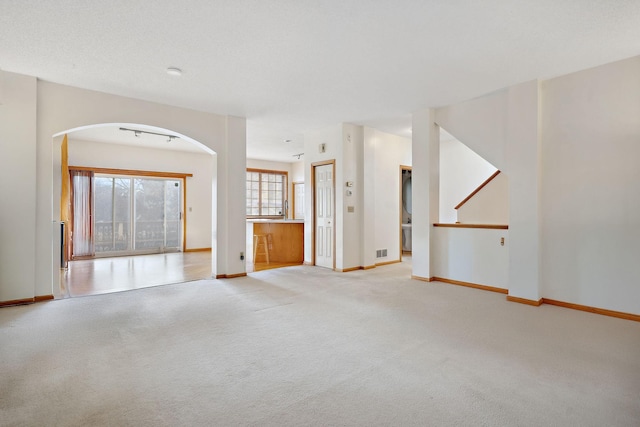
{"x":402,"y":168}
{"x":331,"y":162}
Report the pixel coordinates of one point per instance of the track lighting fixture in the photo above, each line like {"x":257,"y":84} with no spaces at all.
{"x":138,"y":132}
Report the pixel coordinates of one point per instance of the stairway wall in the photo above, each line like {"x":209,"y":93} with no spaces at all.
{"x":591,"y":187}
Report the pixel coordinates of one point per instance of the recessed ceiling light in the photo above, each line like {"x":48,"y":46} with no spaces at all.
{"x":174,"y":71}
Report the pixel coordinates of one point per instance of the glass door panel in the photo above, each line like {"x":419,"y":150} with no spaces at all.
{"x":103,"y":214}
{"x":149,"y":213}
{"x":122,"y":214}
{"x":154,"y":204}
{"x":112,"y":214}
{"x":172,"y":215}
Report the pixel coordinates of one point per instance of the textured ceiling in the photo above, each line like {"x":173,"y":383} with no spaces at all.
{"x":293,"y":66}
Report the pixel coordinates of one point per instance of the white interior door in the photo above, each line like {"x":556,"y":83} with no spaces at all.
{"x":298,"y":200}
{"x":324,"y":215}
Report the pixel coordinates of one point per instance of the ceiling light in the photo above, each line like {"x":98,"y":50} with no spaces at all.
{"x":288,"y":141}
{"x":174,"y":71}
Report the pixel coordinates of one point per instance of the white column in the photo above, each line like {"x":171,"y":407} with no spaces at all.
{"x":369,"y":199}
{"x":230,"y":235}
{"x":523,"y":171}
{"x":352,"y":221}
{"x":425,"y":177}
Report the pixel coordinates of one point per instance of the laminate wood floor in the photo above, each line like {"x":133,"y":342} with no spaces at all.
{"x":105,"y":275}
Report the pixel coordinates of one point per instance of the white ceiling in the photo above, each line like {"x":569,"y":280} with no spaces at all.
{"x":294,"y":66}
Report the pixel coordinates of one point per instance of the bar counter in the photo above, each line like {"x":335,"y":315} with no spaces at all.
{"x":285,"y":237}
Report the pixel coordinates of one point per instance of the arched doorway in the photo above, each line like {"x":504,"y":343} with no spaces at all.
{"x":147,"y":214}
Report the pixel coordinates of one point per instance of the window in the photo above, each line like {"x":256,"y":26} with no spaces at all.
{"x":266,"y":193}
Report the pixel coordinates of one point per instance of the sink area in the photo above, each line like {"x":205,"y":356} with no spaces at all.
{"x":406,"y":237}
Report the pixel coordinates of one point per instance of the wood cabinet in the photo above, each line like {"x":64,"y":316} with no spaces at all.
{"x":286,"y":240}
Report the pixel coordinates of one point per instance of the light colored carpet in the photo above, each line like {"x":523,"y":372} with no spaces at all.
{"x":307,"y":346}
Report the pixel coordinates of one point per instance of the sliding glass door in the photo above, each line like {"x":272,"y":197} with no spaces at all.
{"x":136,"y":215}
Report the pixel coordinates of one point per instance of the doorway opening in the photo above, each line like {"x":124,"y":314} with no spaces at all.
{"x":122,"y":214}
{"x":128,"y":220}
{"x":405,"y":211}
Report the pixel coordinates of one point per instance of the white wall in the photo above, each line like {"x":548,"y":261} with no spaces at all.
{"x":480,"y":124}
{"x":461,"y":172}
{"x":391,"y":152}
{"x":63,"y":108}
{"x":591,"y":187}
{"x":471,"y":255}
{"x":198,"y":190}
{"x":490,"y":205}
{"x":297,"y":171}
{"x":18,"y":189}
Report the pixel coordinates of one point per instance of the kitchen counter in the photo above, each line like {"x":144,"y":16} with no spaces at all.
{"x":285,"y":237}
{"x":277,"y":221}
